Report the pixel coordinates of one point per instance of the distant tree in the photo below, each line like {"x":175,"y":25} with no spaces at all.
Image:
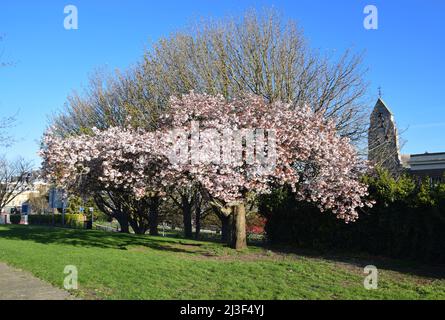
{"x":185,"y":199}
{"x":190,"y":201}
{"x":39,"y":202}
{"x":15,"y":178}
{"x":202,"y":210}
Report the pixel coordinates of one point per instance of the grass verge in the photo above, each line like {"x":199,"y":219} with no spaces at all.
{"x":124,"y":266}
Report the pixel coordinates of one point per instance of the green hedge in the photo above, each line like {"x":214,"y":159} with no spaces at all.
{"x":71,"y":220}
{"x":407,"y":222}
{"x":15,"y":218}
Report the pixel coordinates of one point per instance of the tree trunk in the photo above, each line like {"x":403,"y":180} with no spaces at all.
{"x":124,"y":228}
{"x":187,"y":218}
{"x":198,"y":226}
{"x":239,"y":240}
{"x":153,"y":216}
{"x":226,"y":234}
{"x":137,"y":227}
{"x":197,"y":222}
{"x":123,"y":222}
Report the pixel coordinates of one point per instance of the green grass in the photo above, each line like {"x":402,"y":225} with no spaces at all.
{"x":121,"y":266}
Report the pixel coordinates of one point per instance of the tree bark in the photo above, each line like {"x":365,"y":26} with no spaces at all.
{"x":197,"y":223}
{"x":153,"y":216}
{"x":187,"y":218}
{"x":113,"y":209}
{"x":226,"y":234}
{"x":138,"y":228}
{"x":239,"y":239}
{"x":123,"y":222}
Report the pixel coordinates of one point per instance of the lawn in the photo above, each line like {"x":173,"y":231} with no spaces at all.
{"x":122,"y":266}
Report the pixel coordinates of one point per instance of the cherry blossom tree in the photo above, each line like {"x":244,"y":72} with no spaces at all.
{"x":247,"y":145}
{"x":231,"y":150}
{"x":119,"y":167}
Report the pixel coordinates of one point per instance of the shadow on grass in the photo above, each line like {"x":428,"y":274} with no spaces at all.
{"x":97,"y":239}
{"x":360,"y":260}
{"x":121,"y":241}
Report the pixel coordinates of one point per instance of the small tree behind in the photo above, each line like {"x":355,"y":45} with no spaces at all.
{"x":39,"y":201}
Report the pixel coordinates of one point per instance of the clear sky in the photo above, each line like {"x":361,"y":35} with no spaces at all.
{"x":405,"y":55}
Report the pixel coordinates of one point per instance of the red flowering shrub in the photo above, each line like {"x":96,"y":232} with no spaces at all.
{"x":256,"y":224}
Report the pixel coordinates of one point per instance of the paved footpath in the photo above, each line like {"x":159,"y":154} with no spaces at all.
{"x":19,"y":285}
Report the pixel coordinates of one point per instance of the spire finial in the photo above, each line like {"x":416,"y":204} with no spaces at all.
{"x":380,"y":91}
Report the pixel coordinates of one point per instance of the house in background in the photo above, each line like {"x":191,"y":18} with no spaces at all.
{"x":33,"y":200}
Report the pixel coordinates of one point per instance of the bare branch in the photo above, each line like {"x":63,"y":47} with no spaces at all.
{"x":15,"y":178}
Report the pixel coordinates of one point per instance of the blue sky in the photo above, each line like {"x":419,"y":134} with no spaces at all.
{"x":405,"y":56}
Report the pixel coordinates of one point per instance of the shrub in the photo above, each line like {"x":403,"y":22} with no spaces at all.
{"x":408,"y":221}
{"x":71,"y":220}
{"x":40,"y":219}
{"x":15,"y":218}
{"x":74,"y":220}
{"x":75,"y":202}
{"x":255,"y":224}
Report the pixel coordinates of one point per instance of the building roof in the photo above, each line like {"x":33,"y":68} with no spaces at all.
{"x":381,"y":106}
{"x":428,"y":154}
{"x":424,"y":161}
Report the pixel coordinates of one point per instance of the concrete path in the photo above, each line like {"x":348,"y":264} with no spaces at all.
{"x":19,"y":285}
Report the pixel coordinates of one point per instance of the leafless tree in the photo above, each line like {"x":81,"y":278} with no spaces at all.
{"x":6,"y":122}
{"x":15,"y":178}
{"x":265,"y":55}
{"x":39,"y":200}
{"x":259,"y":53}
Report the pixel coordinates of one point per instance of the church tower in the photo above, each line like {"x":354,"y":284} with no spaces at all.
{"x":383,"y":143}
